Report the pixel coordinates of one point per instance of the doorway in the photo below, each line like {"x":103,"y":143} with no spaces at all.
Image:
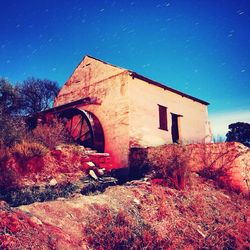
{"x":175,"y":128}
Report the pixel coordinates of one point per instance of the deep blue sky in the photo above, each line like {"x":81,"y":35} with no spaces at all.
{"x":201,"y":47}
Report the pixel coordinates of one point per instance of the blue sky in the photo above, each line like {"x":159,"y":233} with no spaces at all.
{"x":199,"y":47}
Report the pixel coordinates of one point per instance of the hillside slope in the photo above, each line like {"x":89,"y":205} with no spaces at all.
{"x":136,"y":215}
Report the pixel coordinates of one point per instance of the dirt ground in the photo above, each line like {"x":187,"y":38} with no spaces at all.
{"x":138,"y":215}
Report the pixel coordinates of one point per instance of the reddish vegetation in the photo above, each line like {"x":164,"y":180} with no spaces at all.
{"x":120,"y":231}
{"x":226,"y":163}
{"x":137,"y":214}
{"x":65,"y":164}
{"x":201,"y":216}
{"x":20,"y":231}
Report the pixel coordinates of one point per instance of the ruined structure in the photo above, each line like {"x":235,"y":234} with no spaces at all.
{"x":112,"y":109}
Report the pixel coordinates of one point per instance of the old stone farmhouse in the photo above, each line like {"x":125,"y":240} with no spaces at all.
{"x":112,"y":109}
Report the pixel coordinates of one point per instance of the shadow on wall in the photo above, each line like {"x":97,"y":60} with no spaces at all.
{"x":138,"y":162}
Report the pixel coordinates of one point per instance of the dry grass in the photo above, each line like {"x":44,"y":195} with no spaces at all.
{"x":120,"y":230}
{"x":150,"y":216}
{"x":200,"y":217}
{"x":171,"y":164}
{"x":226,"y":163}
{"x":220,"y":162}
{"x":51,"y":134}
{"x":31,"y":163}
{"x":27,"y":150}
{"x":19,"y":231}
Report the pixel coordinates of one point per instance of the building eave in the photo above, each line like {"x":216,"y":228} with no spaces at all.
{"x":74,"y":104}
{"x":143,"y":78}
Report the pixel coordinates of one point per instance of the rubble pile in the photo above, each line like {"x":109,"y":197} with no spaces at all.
{"x":62,"y":172}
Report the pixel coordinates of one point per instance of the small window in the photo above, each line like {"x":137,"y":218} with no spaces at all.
{"x":163,"y":117}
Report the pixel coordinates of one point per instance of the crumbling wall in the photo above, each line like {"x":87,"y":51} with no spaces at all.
{"x":231,"y":161}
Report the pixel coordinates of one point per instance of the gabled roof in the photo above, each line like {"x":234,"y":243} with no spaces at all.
{"x":104,"y":62}
{"x":143,"y":78}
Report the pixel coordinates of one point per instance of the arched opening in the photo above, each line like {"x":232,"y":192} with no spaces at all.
{"x":84,"y":127}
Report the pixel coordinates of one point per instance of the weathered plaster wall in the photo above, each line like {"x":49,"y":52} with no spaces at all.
{"x":108,"y":84}
{"x":144,"y":115}
{"x":128,"y":108}
{"x":85,"y":79}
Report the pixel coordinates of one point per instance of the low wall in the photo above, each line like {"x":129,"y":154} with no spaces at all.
{"x":230,"y":161}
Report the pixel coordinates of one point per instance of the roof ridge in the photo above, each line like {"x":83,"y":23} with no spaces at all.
{"x":146,"y":79}
{"x":97,"y":59}
{"x":134,"y":74}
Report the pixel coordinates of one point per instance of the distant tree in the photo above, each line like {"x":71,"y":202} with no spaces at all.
{"x":9,"y":98}
{"x":11,"y":124}
{"x":239,"y":132}
{"x":31,"y":96}
{"x":37,"y":94}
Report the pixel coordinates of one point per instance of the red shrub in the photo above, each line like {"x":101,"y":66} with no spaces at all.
{"x":109,"y":230}
{"x":51,"y":134}
{"x":170,"y":163}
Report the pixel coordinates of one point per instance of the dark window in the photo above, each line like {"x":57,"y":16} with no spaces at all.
{"x":175,"y":128}
{"x":163,"y":117}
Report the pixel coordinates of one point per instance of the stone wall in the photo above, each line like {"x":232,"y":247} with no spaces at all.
{"x":232,"y":159}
